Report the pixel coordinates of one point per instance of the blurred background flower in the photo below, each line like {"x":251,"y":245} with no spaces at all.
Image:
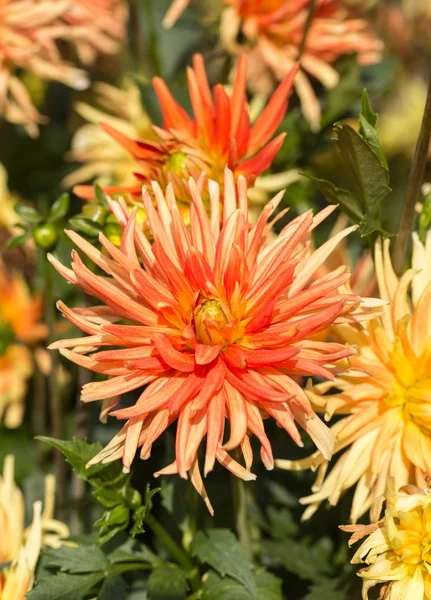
{"x":19,"y":545}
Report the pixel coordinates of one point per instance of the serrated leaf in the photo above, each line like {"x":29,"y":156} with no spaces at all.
{"x":325,"y":590}
{"x":28,"y":213}
{"x":85,"y":226}
{"x":19,"y":240}
{"x":370,"y":177}
{"x":113,"y":588}
{"x":307,"y":561}
{"x":269,"y":586}
{"x":335,"y":195}
{"x":65,"y":587}
{"x":80,"y":559}
{"x":167,"y":582}
{"x":224,"y":588}
{"x":282,"y":523}
{"x":220,"y":549}
{"x":133,"y":551}
{"x":368,"y":128}
{"x":139,"y":513}
{"x":59,"y":208}
{"x":77,"y":453}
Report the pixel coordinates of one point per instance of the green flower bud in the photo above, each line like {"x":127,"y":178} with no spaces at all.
{"x":45,"y":236}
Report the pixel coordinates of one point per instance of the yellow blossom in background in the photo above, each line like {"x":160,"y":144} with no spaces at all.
{"x":386,"y":397}
{"x":19,"y":325}
{"x":19,"y":545}
{"x":103,"y":158}
{"x":397,"y":550}
{"x":8,"y":216}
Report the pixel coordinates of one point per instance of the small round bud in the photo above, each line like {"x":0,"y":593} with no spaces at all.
{"x":45,"y":236}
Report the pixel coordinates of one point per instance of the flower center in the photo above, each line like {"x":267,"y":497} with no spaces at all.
{"x":177,"y":161}
{"x":210,"y":320}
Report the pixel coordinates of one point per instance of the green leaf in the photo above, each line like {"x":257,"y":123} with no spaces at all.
{"x":113,"y":588}
{"x":370,"y":178}
{"x":305,"y":559}
{"x":86,"y":226}
{"x":77,"y":453}
{"x":133,"y":551}
{"x":80,"y":559}
{"x":19,"y":240}
{"x":64,"y":586}
{"x":112,"y":522}
{"x":268,"y":585}
{"x":167,"y":582}
{"x":224,"y":588}
{"x":368,"y":128}
{"x":59,"y":209}
{"x":27,"y":213}
{"x":140,"y":512}
{"x":222,"y":551}
{"x":335,"y":195}
{"x":325,"y":590}
{"x":100,"y":195}
{"x":425,"y":217}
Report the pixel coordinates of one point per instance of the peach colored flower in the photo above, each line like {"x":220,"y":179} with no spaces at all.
{"x":21,"y":545}
{"x":99,"y":26}
{"x":397,"y":548}
{"x":220,"y":134}
{"x":219,"y":324}
{"x":19,"y":322}
{"x":29,"y":32}
{"x":102,"y":156}
{"x":386,"y":430}
{"x":273,"y":31}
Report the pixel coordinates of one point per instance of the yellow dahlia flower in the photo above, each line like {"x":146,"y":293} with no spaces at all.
{"x":386,"y":397}
{"x":19,"y":545}
{"x":398,"y":547}
{"x":103,"y":157}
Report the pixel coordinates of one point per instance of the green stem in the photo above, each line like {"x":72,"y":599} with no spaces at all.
{"x":55,"y":404}
{"x":169,"y":543}
{"x":308,"y":22}
{"x":416,"y":177}
{"x":240,"y":511}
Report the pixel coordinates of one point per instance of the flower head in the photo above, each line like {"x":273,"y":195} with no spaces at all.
{"x":273,"y":32}
{"x":19,"y":322}
{"x":99,"y":26}
{"x":102,"y":155}
{"x":19,"y":545}
{"x":220,"y":134}
{"x":386,"y":398}
{"x":29,"y":32}
{"x":219,"y":320}
{"x":398,"y":546}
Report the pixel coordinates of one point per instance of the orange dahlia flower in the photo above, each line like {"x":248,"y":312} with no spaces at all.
{"x":386,"y":430}
{"x":29,"y":32}
{"x":99,"y":26}
{"x":218,"y":326}
{"x":273,"y":31}
{"x":19,"y":322}
{"x":219,"y":135}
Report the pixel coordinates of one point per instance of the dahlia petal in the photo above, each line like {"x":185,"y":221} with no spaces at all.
{"x":237,"y":415}
{"x":173,"y":114}
{"x":156,"y":427}
{"x":320,"y":434}
{"x":235,"y":468}
{"x":131,"y":442}
{"x":205,"y":354}
{"x":215,"y":426}
{"x":149,"y":401}
{"x":181,"y":361}
{"x":196,"y":479}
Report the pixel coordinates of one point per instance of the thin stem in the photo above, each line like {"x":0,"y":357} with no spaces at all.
{"x":241,"y":518}
{"x":308,"y":22}
{"x":416,"y":177}
{"x":53,"y":388}
{"x":136,"y":31}
{"x":169,"y":543}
